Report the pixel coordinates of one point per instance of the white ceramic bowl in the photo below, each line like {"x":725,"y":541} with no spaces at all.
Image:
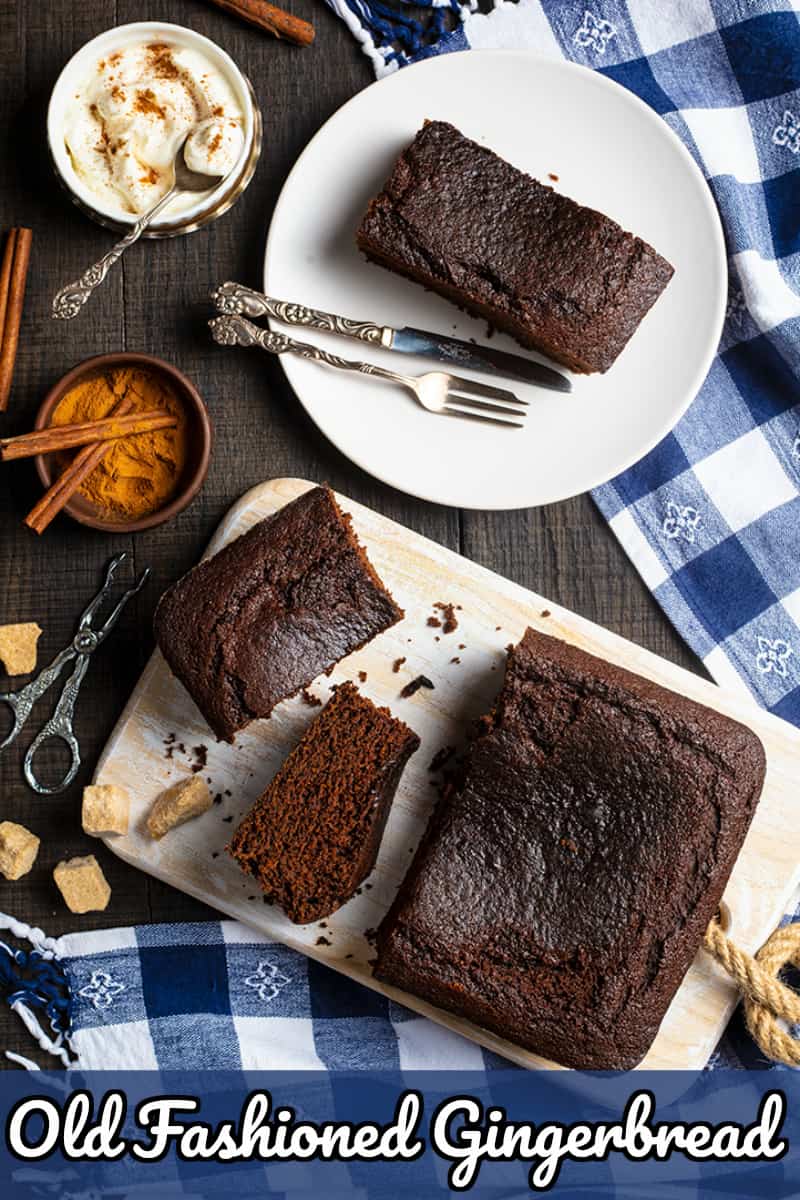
{"x":210,"y":205}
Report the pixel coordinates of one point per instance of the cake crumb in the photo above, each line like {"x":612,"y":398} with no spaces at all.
{"x":449,"y":618}
{"x":322,"y":941}
{"x":545,"y":612}
{"x":397,"y":664}
{"x":553,"y":176}
{"x":434,"y":623}
{"x":456,"y":659}
{"x":411,"y":688}
{"x":310,"y":699}
{"x":200,"y":758}
{"x":362,"y":676}
{"x":442,"y":755}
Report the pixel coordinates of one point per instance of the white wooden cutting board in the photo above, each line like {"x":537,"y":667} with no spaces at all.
{"x":492,"y":613}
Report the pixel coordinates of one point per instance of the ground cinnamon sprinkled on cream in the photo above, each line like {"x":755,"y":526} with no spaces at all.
{"x":145,"y":102}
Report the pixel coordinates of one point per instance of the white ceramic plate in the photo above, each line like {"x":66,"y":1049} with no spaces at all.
{"x":610,"y":151}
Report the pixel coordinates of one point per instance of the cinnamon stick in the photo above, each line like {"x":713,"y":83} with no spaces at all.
{"x":14,"y":270}
{"x":5,"y":276}
{"x":64,"y":488}
{"x":83,"y":433}
{"x":271,"y":19}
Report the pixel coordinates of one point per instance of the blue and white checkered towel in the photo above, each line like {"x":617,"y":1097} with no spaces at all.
{"x":207,"y":995}
{"x":711,"y":517}
{"x":217,"y":995}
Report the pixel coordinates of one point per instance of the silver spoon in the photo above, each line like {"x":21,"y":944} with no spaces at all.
{"x":70,"y":300}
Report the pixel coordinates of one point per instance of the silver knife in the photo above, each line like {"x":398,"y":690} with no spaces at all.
{"x":235,"y":298}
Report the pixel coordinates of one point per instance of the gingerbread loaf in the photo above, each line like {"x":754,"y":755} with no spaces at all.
{"x":559,"y":277}
{"x":271,"y":611}
{"x":560,"y":895}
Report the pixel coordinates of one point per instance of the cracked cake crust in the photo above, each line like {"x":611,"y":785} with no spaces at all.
{"x":559,"y":277}
{"x":559,"y":897}
{"x":271,"y":611}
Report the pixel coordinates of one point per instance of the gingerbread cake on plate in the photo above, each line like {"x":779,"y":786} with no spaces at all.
{"x":558,"y":276}
{"x":560,"y":894}
{"x":314,"y":835}
{"x":271,"y":611}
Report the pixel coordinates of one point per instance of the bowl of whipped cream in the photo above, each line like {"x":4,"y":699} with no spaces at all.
{"x":123,"y":105}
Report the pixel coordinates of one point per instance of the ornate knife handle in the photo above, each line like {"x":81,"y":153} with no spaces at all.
{"x":235,"y":299}
{"x":235,"y":330}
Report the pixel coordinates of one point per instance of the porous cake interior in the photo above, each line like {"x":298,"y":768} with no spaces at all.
{"x":314,"y":834}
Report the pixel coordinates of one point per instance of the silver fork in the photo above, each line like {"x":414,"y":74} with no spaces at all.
{"x":437,"y":391}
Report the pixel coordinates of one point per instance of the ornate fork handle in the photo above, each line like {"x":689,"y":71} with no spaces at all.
{"x":70,"y":300}
{"x":235,"y":299}
{"x":232,"y":330}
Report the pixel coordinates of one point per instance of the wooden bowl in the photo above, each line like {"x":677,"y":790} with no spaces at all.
{"x":199,"y":434}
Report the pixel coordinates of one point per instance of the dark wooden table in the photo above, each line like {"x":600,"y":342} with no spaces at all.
{"x":156,"y":301}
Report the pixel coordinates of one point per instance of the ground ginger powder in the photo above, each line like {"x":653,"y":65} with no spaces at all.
{"x":138,"y":475}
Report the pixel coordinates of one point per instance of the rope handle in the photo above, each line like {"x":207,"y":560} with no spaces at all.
{"x":766,"y":1000}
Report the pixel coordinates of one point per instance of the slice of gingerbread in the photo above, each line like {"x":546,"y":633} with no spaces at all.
{"x":271,"y":611}
{"x":314,"y":834}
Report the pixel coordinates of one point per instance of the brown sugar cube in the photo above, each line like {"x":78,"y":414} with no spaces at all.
{"x":18,"y":647}
{"x":82,"y":884}
{"x":105,"y":810}
{"x":18,"y":849}
{"x":177,"y":804}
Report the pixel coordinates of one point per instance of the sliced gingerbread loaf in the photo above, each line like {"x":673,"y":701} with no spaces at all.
{"x":271,"y":611}
{"x":314,"y":834}
{"x":559,"y":277}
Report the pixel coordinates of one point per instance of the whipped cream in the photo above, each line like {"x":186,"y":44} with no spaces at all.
{"x":126,"y":122}
{"x":214,"y":146}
